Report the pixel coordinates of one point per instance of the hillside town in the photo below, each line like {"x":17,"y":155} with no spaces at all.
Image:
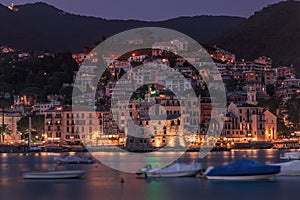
{"x":262,"y":101}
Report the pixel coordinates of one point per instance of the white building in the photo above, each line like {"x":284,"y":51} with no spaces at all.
{"x":42,"y":107}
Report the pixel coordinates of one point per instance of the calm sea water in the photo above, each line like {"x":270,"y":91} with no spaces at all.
{"x":102,"y":182}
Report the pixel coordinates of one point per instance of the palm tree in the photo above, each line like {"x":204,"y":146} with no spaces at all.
{"x":5,"y":131}
{"x":3,"y":104}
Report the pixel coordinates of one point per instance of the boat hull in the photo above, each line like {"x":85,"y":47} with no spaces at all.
{"x":242,"y":178}
{"x":73,"y":160}
{"x":172,"y":175}
{"x":290,"y":168}
{"x":172,"y":171}
{"x":290,"y":156}
{"x":54,"y":174}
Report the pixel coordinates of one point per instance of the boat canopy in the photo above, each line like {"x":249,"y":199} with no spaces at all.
{"x":244,"y":167}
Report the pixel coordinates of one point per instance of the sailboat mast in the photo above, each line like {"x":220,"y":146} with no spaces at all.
{"x":29,"y":132}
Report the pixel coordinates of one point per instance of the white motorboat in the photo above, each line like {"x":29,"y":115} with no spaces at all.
{"x":290,"y":156}
{"x":73,"y":160}
{"x":55,"y":174}
{"x":173,"y":170}
{"x":290,"y":168}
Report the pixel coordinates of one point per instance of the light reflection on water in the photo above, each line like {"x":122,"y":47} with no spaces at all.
{"x":102,"y":182}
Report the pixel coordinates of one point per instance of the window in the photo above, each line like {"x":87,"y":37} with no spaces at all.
{"x":58,"y":134}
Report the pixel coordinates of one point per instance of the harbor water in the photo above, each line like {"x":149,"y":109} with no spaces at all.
{"x":102,"y":182}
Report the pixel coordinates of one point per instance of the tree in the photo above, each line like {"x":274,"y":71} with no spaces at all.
{"x":5,"y":87}
{"x":280,"y":81}
{"x":37,"y":124}
{"x":282,"y":129}
{"x":147,"y":35}
{"x":271,"y":89}
{"x":272,"y":104}
{"x":231,"y":85}
{"x":293,"y":111}
{"x":3,"y":104}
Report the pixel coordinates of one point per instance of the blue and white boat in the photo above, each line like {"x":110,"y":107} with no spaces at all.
{"x":241,"y":170}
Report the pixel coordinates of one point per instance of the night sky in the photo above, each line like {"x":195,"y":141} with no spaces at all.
{"x":154,"y":9}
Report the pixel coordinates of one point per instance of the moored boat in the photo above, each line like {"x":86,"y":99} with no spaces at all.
{"x":173,"y":170}
{"x":290,"y":156}
{"x":244,"y":169}
{"x":73,"y":160}
{"x":290,"y":168}
{"x":55,"y":174}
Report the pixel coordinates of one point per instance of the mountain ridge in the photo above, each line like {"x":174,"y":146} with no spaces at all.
{"x":274,"y":31}
{"x":40,"y":26}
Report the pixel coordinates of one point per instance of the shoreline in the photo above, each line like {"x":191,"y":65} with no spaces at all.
{"x":116,"y":150}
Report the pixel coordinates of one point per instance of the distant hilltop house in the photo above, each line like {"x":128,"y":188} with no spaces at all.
{"x":135,"y":41}
{"x":6,"y":49}
{"x":159,"y":48}
{"x":81,"y":57}
{"x":222,"y":55}
{"x":13,"y":8}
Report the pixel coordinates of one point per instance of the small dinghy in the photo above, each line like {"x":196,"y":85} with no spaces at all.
{"x":173,"y":170}
{"x":54,"y":174}
{"x":290,"y":168}
{"x":244,"y":169}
